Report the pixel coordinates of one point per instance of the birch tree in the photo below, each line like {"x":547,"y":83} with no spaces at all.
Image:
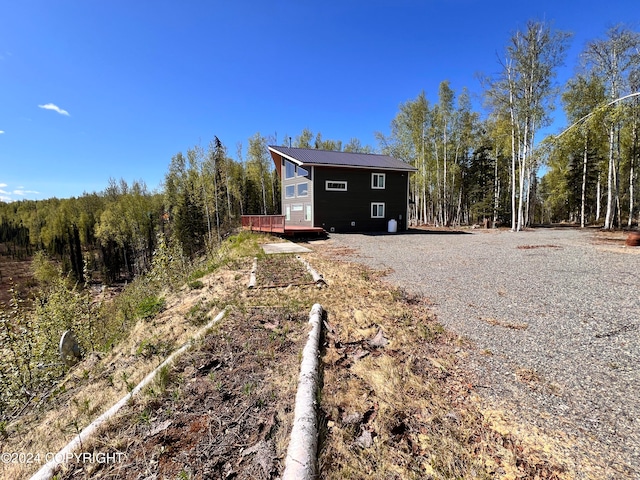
{"x":582,"y":96}
{"x":613,"y":59}
{"x":524,"y":90}
{"x":632,"y":147}
{"x":408,"y":141}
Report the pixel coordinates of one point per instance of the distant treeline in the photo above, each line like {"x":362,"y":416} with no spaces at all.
{"x":114,"y":233}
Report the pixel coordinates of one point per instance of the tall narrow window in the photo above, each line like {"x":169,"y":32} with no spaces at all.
{"x":377,"y":180}
{"x":377,"y":210}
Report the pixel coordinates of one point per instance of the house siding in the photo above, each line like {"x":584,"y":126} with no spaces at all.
{"x":297,"y":206}
{"x":338,"y":209}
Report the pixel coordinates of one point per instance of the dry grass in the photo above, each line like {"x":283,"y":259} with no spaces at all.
{"x":400,"y":407}
{"x":409,"y":410}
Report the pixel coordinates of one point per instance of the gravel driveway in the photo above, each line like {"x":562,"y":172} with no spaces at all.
{"x":555,"y":316}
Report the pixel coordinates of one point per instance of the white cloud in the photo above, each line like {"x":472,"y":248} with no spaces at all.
{"x":11,"y":195}
{"x":23,"y":193}
{"x":1,"y":132}
{"x":4,"y":195}
{"x":55,"y":108}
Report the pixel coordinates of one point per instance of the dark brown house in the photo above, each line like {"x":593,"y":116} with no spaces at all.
{"x":342,"y":191}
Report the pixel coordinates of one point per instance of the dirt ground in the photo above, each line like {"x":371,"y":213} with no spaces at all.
{"x":13,"y":272}
{"x":221,"y":412}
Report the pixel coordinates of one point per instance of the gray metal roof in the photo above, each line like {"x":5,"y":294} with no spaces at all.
{"x":330,"y":158}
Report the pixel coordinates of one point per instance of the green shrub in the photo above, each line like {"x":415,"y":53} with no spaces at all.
{"x":196,"y":285}
{"x":149,"y":307}
{"x":198,"y":314}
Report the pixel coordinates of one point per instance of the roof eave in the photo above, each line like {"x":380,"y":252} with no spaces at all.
{"x":275,"y":151}
{"x":360,"y":167}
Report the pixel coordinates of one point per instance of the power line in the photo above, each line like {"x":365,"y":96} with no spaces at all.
{"x":597,"y":109}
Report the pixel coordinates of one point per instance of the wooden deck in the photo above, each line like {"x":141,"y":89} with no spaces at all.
{"x":276,"y":224}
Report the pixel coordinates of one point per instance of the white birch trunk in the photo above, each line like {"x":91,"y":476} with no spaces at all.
{"x":522,"y":160}
{"x":513,"y":154}
{"x":584,"y":184}
{"x":631,"y":194}
{"x":632,"y":174}
{"x":608,"y":219}
{"x":598,"y":200}
{"x":496,"y":190}
{"x":445,"y":202}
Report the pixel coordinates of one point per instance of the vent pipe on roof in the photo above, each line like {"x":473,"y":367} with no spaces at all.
{"x":289,"y":142}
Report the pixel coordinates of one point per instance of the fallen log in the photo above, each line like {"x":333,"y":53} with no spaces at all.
{"x":300,"y":463}
{"x":317,"y":278}
{"x":252,"y":277}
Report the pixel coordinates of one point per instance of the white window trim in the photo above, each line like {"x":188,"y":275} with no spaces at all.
{"x":305,"y":195}
{"x":378,"y":204}
{"x":384,"y":180}
{"x":298,"y":172}
{"x":332,"y":189}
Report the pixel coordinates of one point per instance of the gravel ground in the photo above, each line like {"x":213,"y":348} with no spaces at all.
{"x":555,"y":316}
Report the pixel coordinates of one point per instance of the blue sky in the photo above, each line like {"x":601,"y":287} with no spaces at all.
{"x":92,"y":90}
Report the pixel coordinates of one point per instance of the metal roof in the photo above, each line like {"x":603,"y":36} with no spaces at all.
{"x":330,"y":158}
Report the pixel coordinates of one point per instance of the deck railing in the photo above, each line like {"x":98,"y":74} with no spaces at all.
{"x":263,"y":223}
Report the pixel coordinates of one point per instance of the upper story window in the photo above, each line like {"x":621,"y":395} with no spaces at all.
{"x":303,"y":189}
{"x":378,"y":180}
{"x":303,"y":172}
{"x":289,"y":169}
{"x":335,"y":185}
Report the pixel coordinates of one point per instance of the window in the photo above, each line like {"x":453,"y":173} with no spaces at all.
{"x":289,"y":169}
{"x":288,"y":213}
{"x":303,"y":189}
{"x":335,"y":185}
{"x":289,"y":191}
{"x":377,"y":180}
{"x":303,"y":172}
{"x":377,"y":210}
{"x":307,"y":212}
{"x":296,"y":208}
